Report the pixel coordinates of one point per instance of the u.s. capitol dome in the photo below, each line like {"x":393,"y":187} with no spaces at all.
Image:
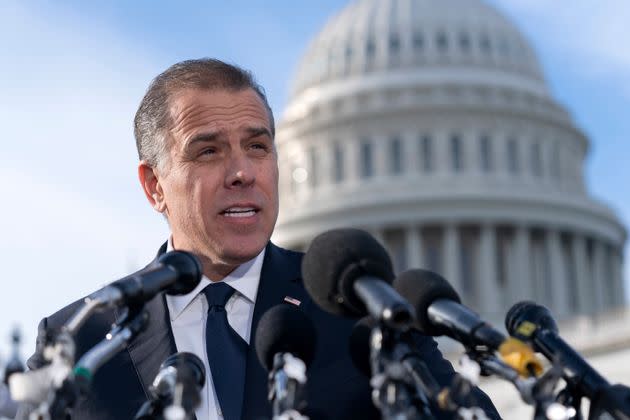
{"x":430,"y":124}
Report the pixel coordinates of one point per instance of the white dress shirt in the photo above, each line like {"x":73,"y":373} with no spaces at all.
{"x":188,"y":315}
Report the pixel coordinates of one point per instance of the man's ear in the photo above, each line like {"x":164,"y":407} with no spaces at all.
{"x":149,"y":179}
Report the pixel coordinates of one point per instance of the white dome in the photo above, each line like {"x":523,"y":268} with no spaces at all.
{"x":376,"y":36}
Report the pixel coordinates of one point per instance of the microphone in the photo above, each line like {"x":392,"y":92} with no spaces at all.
{"x":348,"y":273}
{"x":285,"y":346}
{"x":533,"y":323}
{"x":176,"y":390}
{"x":176,"y":272}
{"x":439,"y":312}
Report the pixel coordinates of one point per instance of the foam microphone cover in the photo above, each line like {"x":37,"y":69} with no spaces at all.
{"x":359,"y":344}
{"x":335,"y":260}
{"x":188,"y":269}
{"x":285,"y":329}
{"x":421,"y":288}
{"x":532,"y":312}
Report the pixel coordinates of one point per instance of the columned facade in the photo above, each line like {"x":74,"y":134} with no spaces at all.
{"x":455,"y":157}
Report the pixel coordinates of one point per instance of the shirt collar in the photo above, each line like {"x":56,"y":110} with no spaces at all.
{"x":244,"y":279}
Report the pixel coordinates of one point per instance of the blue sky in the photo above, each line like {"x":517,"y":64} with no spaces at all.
{"x":73,"y":216}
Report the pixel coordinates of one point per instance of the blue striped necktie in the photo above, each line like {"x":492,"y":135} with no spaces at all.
{"x":227,"y":352}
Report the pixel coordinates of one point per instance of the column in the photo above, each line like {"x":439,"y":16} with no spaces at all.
{"x":617,"y":269}
{"x":520,"y":280}
{"x":451,"y":260}
{"x":578,"y":247}
{"x":489,"y":296}
{"x":598,"y":280}
{"x":413,"y":247}
{"x":559,"y":286}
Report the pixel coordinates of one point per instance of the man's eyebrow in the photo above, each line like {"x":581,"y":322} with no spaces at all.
{"x":202,"y":138}
{"x":258,"y":131}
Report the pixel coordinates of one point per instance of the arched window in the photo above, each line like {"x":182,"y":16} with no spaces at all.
{"x":464,"y":42}
{"x":394,"y":43}
{"x":395,"y":156}
{"x":426,"y":153}
{"x":417,"y":41}
{"x":485,"y":154}
{"x":441,"y":41}
{"x":536,"y":159}
{"x":367,"y":161}
{"x":512,"y":156}
{"x":338,"y":168}
{"x":484,"y":43}
{"x":457,"y":161}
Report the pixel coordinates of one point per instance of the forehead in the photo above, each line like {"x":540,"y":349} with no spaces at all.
{"x":193,"y":109}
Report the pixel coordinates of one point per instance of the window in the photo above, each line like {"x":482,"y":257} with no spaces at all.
{"x":512,"y":156}
{"x":338,"y":170}
{"x":536,"y":159}
{"x":395,"y":156}
{"x":485,"y":151}
{"x":456,"y":153}
{"x":426,"y":149}
{"x":464,"y":42}
{"x":484,"y":42}
{"x":367,"y":163}
{"x":441,"y":41}
{"x":313,"y":175}
{"x":370,"y":48}
{"x":555,"y":161}
{"x":394,"y":43}
{"x":418,"y":41}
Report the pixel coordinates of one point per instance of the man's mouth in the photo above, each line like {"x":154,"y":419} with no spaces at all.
{"x":240,"y":211}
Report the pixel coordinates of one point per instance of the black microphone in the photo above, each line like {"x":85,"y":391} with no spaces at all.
{"x":176,"y":272}
{"x":176,"y":390}
{"x":533,"y":323}
{"x":439,"y":310}
{"x":348,"y":273}
{"x":285,"y":345}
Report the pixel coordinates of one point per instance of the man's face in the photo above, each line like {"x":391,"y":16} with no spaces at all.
{"x":219,"y":185}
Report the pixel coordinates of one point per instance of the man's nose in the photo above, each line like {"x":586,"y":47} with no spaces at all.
{"x":240,"y":172}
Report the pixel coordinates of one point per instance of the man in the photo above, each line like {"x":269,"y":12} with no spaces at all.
{"x":208,"y":163}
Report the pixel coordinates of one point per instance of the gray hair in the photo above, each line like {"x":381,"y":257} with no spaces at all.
{"x":153,"y":117}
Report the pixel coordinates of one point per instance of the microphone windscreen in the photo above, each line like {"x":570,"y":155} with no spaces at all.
{"x":285,"y":329}
{"x":335,"y":260}
{"x":188,"y":269}
{"x":538,"y":315}
{"x":188,"y":362}
{"x":359,"y":345}
{"x":421,"y":288}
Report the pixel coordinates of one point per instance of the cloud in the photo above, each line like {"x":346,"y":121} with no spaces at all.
{"x":591,"y":35}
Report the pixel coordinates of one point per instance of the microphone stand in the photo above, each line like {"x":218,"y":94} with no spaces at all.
{"x":538,"y":392}
{"x":395,"y":392}
{"x":286,"y":382}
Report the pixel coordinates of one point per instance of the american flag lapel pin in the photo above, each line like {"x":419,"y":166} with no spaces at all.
{"x":292,"y":301}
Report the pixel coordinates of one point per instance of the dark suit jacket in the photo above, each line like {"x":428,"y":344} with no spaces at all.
{"x":335,"y":388}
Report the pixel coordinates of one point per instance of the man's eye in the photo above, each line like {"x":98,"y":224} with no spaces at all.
{"x":260,"y":146}
{"x":208,"y":151}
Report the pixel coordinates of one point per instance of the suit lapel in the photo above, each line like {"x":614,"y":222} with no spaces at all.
{"x":153,"y":345}
{"x":280,"y":277}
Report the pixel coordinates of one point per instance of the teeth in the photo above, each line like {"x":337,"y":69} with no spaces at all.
{"x":232,"y":213}
{"x":239,"y":209}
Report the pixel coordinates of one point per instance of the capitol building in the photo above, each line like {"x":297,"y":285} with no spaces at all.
{"x":429,"y":123}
